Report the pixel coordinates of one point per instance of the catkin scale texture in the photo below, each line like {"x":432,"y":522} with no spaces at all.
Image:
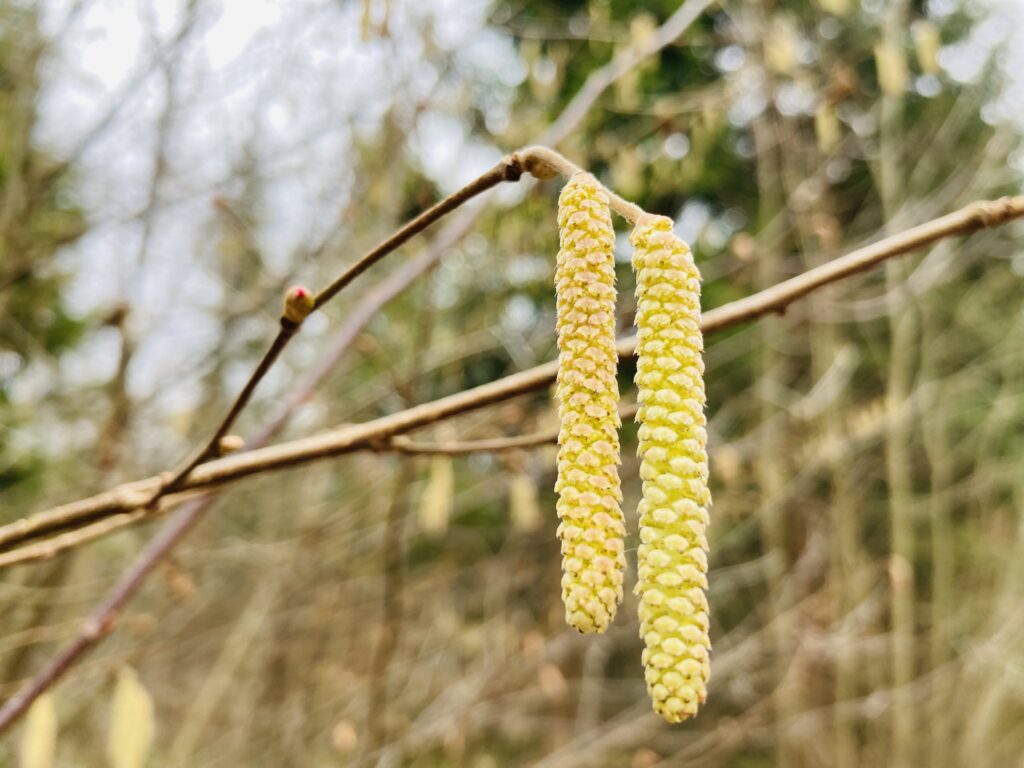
{"x":672,"y":556}
{"x":589,"y":495}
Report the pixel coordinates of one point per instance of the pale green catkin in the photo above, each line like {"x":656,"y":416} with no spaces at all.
{"x":672,"y":556}
{"x":589,"y":495}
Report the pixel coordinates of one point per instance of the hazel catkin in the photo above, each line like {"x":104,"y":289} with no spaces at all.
{"x":672,"y":556}
{"x":589,"y":495}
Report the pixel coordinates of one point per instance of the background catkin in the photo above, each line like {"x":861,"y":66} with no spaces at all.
{"x":591,"y":528}
{"x":672,"y":556}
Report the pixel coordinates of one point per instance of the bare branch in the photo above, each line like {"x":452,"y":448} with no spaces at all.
{"x":402,"y":444}
{"x":352,"y":437}
{"x":509,"y":169}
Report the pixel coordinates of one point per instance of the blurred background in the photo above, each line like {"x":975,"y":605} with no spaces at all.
{"x":167,"y":168}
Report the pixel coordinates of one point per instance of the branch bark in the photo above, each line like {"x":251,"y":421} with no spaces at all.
{"x":348,"y":438}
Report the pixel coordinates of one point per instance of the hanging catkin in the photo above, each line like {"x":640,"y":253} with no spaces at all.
{"x":672,"y":556}
{"x":591,"y":529}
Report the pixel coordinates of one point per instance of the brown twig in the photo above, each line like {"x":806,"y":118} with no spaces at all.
{"x":509,"y":169}
{"x":402,"y":444}
{"x":212,"y":445}
{"x":345,"y":439}
{"x":539,"y":161}
{"x":53,"y":546}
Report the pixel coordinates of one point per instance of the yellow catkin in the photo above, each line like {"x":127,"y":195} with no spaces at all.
{"x":591,"y":528}
{"x":672,"y":556}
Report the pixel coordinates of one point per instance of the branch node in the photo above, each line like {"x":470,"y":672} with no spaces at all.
{"x":514,"y":169}
{"x":126,"y":499}
{"x":93,"y":629}
{"x":544,"y":163}
{"x":992,"y":213}
{"x":381,"y":444}
{"x":168,"y":481}
{"x":230,"y":444}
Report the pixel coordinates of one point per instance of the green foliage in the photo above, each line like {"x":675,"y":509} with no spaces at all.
{"x":36,"y":221}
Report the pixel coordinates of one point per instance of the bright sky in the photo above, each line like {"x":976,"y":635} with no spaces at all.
{"x":291,"y":86}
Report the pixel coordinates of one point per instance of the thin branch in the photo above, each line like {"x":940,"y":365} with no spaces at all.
{"x":348,"y":438}
{"x":55,"y":545}
{"x":212,"y":446}
{"x":402,"y":444}
{"x":509,"y":169}
{"x":985,"y":214}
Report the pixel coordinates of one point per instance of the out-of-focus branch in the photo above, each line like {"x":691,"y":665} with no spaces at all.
{"x":104,"y":617}
{"x":625,"y":62}
{"x":349,"y":438}
{"x":402,"y":444}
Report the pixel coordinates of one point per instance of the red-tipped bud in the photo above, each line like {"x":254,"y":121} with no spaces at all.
{"x":298,"y":303}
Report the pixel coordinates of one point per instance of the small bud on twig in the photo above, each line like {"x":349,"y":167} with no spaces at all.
{"x":230,"y":444}
{"x":298,"y":304}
